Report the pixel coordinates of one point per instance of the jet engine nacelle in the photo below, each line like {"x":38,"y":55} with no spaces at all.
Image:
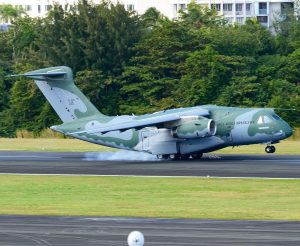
{"x":199,"y":128}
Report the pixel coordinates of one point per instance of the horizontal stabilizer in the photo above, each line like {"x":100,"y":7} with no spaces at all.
{"x":50,"y":75}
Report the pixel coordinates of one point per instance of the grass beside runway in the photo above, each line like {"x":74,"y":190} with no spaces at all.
{"x":58,"y":144}
{"x":49,"y":144}
{"x":151,"y":197}
{"x":286,"y":147}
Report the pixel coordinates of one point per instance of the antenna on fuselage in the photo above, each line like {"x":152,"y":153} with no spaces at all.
{"x":286,"y":109}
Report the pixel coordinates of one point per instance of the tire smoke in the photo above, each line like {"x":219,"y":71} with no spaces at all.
{"x":123,"y":155}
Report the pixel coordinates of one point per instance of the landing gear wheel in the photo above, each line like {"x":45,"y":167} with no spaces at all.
{"x":174,"y":157}
{"x":270,"y":149}
{"x":185,"y":157}
{"x":273,"y":149}
{"x":163,"y":157}
{"x":197,"y":156}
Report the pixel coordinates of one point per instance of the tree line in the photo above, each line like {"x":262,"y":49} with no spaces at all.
{"x":127,"y":63}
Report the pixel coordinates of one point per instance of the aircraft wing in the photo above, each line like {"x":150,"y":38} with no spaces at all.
{"x":139,"y":122}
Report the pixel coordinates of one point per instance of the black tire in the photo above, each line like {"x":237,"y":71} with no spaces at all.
{"x":174,"y":157}
{"x":163,"y":157}
{"x":197,"y":156}
{"x":273,"y":149}
{"x":269,"y":149}
{"x":185,"y":157}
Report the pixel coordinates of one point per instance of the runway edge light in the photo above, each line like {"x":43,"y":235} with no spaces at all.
{"x":135,"y":238}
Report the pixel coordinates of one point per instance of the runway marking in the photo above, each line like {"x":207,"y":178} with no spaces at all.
{"x":30,"y":156}
{"x":280,"y":160}
{"x":143,"y":176}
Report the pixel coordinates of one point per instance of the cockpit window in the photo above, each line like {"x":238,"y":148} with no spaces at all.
{"x":267,"y":119}
{"x":276,"y":117}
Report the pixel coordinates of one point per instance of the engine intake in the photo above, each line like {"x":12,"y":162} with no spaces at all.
{"x":200,"y":128}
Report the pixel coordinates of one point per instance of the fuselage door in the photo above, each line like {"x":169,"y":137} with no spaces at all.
{"x":229,"y":137}
{"x":145,"y":139}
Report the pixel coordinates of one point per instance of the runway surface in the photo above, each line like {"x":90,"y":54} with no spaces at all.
{"x":78,"y":231}
{"x":264,"y":166}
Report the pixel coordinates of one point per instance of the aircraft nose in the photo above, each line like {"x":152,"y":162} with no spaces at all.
{"x":288,"y":131}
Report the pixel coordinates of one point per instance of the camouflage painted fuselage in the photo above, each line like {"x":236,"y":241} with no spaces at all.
{"x":234,"y":126}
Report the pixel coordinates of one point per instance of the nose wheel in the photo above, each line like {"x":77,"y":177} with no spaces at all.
{"x":270,"y":149}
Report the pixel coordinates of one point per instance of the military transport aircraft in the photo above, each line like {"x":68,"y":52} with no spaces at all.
{"x":180,"y":133}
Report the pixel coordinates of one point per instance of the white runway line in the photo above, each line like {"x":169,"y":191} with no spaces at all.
{"x":144,"y":176}
{"x":29,"y":156}
{"x":281,"y":160}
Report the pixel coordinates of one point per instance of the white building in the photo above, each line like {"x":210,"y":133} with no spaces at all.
{"x":265,"y":11}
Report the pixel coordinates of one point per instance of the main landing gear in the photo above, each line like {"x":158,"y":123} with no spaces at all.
{"x":270,"y":149}
{"x":195,"y":156}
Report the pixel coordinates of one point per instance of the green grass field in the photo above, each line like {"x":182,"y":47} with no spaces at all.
{"x":151,"y":197}
{"x":59,"y":144}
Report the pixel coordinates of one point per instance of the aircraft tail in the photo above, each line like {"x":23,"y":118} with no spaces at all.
{"x":57,"y":85}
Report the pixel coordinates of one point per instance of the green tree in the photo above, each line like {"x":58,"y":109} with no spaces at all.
{"x":250,"y":39}
{"x":102,"y":91}
{"x":287,"y":32}
{"x":9,"y":12}
{"x":6,"y":51}
{"x":210,"y":77}
{"x":243,"y":91}
{"x":151,"y":17}
{"x":197,"y":16}
{"x":291,"y":69}
{"x":286,"y":95}
{"x":90,"y":36}
{"x":152,"y":77}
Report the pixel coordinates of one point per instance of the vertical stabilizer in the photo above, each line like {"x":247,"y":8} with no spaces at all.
{"x":57,"y":85}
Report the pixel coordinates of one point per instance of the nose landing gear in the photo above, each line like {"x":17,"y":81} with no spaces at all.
{"x":270,"y":149}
